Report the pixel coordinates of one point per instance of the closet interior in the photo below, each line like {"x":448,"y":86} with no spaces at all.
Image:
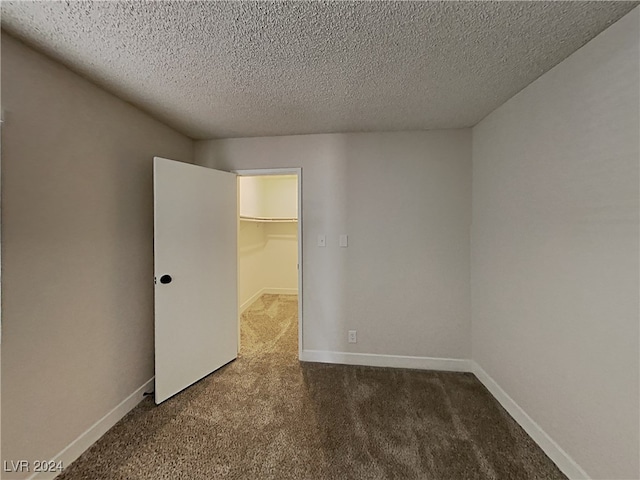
{"x":267,"y":237}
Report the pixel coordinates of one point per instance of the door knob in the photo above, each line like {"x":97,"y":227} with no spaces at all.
{"x":165,"y":279}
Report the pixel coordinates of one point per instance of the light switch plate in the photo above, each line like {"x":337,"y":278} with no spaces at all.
{"x":344,"y":240}
{"x":322,"y":240}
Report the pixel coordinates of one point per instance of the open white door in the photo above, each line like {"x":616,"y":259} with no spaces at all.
{"x":195,"y":268}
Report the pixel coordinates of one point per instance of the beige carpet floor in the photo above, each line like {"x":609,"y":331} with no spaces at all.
{"x":268,"y":416}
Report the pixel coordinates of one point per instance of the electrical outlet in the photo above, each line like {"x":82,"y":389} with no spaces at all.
{"x":322,"y":240}
{"x":353,"y":336}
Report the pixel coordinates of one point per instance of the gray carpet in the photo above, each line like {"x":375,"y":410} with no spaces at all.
{"x":267,"y":416}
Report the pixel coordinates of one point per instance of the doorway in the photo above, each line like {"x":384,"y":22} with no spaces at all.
{"x":269,"y":245}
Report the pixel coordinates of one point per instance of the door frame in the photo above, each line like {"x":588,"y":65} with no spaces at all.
{"x":297,"y":171}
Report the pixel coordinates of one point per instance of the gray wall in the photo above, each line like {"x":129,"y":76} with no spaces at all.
{"x":76,"y":250}
{"x":555,"y":247}
{"x":404,"y":199}
{"x":555,"y":251}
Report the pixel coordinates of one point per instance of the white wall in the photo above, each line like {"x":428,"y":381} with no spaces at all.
{"x":267,"y":260}
{"x":269,"y":196}
{"x":77,"y":237}
{"x":251,"y":278}
{"x":404,"y":200}
{"x":281,"y":194}
{"x":281,"y":257}
{"x":268,"y":252}
{"x":251,"y":194}
{"x":555,"y":251}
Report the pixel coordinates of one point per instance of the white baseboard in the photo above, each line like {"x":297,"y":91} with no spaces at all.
{"x":76,"y":448}
{"x":280,"y":291}
{"x":259,"y":293}
{"x":249,"y":302}
{"x":565,"y":463}
{"x":393,"y":361}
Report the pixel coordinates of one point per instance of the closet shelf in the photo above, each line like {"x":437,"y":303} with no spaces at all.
{"x":267,"y":219}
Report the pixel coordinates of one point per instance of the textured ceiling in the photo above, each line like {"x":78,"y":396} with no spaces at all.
{"x":230,"y":69}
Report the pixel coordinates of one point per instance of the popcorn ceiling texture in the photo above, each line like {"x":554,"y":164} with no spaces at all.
{"x":232,"y":69}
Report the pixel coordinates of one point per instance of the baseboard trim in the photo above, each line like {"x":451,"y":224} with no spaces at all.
{"x":273,"y":291}
{"x":565,"y":463}
{"x":392,"y":361}
{"x":280,"y":291}
{"x":249,"y":302}
{"x":76,"y":448}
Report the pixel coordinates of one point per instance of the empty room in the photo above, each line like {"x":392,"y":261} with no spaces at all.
{"x":320,"y":240}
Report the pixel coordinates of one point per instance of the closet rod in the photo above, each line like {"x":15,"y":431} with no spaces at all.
{"x":268,"y":219}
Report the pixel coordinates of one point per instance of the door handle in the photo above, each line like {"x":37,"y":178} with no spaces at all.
{"x":165,"y":279}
